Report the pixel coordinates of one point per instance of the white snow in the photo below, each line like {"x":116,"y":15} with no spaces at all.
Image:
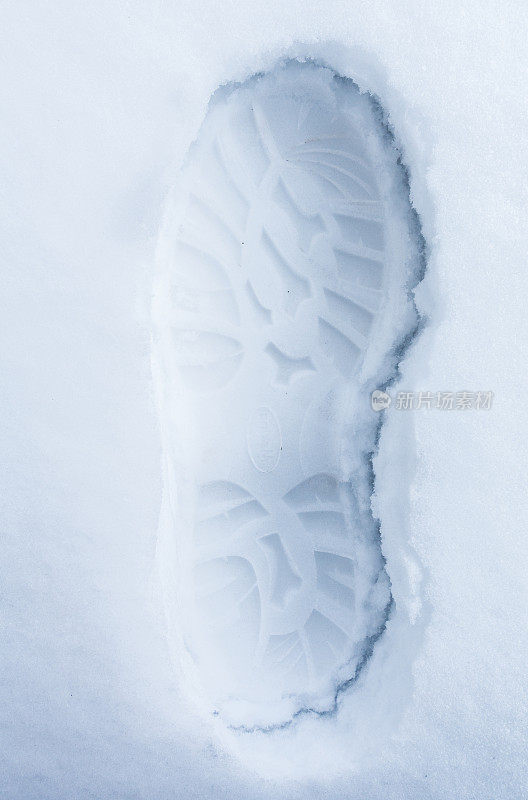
{"x":100,"y":103}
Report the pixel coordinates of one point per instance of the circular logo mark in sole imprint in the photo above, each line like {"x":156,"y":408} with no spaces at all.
{"x":264,"y":439}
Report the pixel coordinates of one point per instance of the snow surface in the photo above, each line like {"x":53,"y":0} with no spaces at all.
{"x":100,"y":104}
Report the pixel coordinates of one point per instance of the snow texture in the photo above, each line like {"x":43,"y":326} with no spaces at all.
{"x":101,"y":103}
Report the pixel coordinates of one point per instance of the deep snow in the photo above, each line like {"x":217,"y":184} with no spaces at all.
{"x":99,"y":107}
